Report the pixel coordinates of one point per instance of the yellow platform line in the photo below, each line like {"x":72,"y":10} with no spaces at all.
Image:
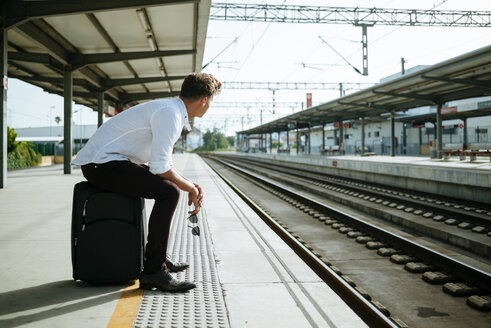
{"x":127,"y":307}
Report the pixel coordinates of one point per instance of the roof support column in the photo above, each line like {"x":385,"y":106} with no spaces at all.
{"x":341,"y":141}
{"x":364,"y":42}
{"x":308,"y":140}
{"x":278,"y":148}
{"x":420,"y":139}
{"x":100,"y":108}
{"x":323,"y":138}
{"x":288,"y":140}
{"x":404,"y":139}
{"x":298,"y":142}
{"x":271,"y":142}
{"x":439,"y":131}
{"x":3,"y":106}
{"x":392,"y":134}
{"x":465,"y":133}
{"x":362,"y":135}
{"x":67,"y":136}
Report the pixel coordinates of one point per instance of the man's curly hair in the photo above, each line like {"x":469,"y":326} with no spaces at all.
{"x":199,"y":85}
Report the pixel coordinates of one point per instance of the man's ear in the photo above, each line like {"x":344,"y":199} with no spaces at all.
{"x":203,"y":100}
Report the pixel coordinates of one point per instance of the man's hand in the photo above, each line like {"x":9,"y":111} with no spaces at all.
{"x":200,"y":193}
{"x":195,"y":193}
{"x":195,"y":198}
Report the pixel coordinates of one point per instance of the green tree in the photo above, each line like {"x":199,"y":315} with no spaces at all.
{"x":231,"y":141}
{"x":11,"y":136}
{"x":20,"y":154}
{"x":212,"y":137}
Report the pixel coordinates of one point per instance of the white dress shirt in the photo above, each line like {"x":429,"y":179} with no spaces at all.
{"x":143,"y":133}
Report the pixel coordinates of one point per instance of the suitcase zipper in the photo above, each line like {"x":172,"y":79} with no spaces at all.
{"x":83,"y":214}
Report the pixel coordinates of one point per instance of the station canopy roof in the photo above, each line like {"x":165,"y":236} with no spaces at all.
{"x":462,"y":77}
{"x":133,"y":50}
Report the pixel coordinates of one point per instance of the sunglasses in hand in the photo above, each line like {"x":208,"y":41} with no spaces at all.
{"x":193,"y":218}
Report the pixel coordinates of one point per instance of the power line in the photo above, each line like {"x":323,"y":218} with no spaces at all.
{"x":332,"y":48}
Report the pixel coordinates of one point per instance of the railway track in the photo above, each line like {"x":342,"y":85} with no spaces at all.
{"x":394,"y":204}
{"x":368,"y":272}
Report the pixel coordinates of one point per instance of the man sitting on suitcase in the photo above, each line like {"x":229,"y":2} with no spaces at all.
{"x":114,"y":158}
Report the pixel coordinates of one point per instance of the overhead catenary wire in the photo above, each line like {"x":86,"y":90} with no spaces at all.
{"x":221,"y":52}
{"x":332,"y":48}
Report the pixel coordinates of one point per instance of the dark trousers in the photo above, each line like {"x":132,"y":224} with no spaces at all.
{"x":132,"y":179}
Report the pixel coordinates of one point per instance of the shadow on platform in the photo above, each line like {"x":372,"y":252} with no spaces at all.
{"x":53,"y":299}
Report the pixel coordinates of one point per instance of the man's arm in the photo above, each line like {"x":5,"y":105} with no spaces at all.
{"x":195,"y":195}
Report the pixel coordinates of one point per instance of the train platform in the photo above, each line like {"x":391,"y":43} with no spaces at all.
{"x":436,"y":176}
{"x":246,"y":275}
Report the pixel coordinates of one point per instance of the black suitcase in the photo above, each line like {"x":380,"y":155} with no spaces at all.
{"x":108,"y":235}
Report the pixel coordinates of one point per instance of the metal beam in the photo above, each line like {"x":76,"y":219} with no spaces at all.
{"x":475,"y":83}
{"x":54,"y":80}
{"x":367,"y":105}
{"x":19,"y":11}
{"x":347,"y":15}
{"x":34,"y":33}
{"x":148,"y":95}
{"x":3,"y":105}
{"x":296,"y":85}
{"x":106,"y":83}
{"x":223,"y":104}
{"x":111,"y":83}
{"x":100,"y":108}
{"x":102,"y":31}
{"x":67,"y":135}
{"x":410,"y":95}
{"x":81,"y":60}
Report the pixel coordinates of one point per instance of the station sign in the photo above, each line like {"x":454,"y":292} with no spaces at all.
{"x":448,"y":110}
{"x":336,"y":125}
{"x":309,"y":100}
{"x":484,"y":104}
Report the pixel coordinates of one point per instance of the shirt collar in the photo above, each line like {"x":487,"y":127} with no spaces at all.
{"x":184,"y":113}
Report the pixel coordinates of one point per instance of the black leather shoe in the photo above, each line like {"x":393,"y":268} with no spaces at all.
{"x":163,"y":281}
{"x":175,"y":266}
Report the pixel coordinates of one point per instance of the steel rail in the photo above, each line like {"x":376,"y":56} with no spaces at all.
{"x":459,"y":269}
{"x":363,"y":308}
{"x":455,"y":213}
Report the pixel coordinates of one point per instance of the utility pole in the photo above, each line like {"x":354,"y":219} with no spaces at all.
{"x":403,"y":61}
{"x":274,"y":100}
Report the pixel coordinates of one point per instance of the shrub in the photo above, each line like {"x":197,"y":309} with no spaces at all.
{"x":20,"y":154}
{"x":23,"y":156}
{"x":11,"y":144}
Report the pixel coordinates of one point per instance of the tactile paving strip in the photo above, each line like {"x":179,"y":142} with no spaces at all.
{"x":203,"y":306}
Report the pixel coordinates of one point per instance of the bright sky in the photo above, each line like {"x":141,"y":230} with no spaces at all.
{"x":274,"y":52}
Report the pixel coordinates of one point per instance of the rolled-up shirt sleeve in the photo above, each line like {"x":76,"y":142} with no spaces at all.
{"x":166,"y":129}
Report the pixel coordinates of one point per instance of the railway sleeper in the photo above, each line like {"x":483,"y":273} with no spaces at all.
{"x":388,"y":251}
{"x":437,"y":278}
{"x":460,"y":289}
{"x":418,"y":267}
{"x":402,"y":258}
{"x":481,"y":303}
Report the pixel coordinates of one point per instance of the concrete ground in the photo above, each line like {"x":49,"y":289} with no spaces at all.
{"x":36,"y":285}
{"x":263,"y":282}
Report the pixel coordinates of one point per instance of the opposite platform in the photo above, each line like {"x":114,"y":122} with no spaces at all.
{"x":246,"y":275}
{"x":452,"y":178}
